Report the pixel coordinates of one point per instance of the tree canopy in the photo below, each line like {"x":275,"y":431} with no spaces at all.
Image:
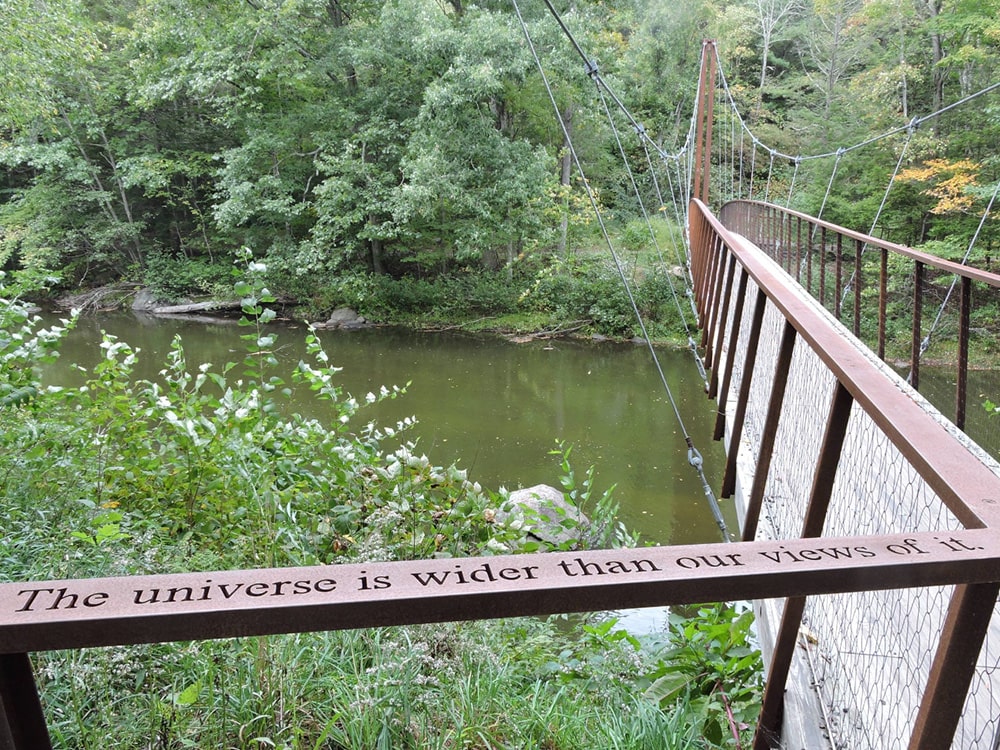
{"x":411,"y":137}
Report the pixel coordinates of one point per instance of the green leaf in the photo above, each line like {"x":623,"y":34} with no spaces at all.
{"x":83,"y":537}
{"x":669,"y":688}
{"x":189,"y":695}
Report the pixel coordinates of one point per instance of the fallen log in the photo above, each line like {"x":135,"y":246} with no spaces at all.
{"x":195,"y":307}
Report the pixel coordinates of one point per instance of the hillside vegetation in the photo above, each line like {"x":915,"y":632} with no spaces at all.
{"x":363,"y":148}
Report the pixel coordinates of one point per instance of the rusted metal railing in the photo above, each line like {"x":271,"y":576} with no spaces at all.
{"x":847,"y":392}
{"x":844,"y":270}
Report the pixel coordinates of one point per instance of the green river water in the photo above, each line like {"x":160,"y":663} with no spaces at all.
{"x":497,"y":408}
{"x":494,"y":407}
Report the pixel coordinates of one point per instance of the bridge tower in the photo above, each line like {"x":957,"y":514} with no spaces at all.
{"x":703,"y":121}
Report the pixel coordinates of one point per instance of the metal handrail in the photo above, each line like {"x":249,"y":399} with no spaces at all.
{"x":86,"y":613}
{"x":932,"y":261}
{"x":723,"y":261}
{"x":790,"y":238}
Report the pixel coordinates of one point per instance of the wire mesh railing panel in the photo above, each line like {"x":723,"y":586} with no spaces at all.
{"x":800,"y":432}
{"x":763,"y":376}
{"x":874,"y":649}
{"x":862,"y":456}
{"x":855,"y":456}
{"x":979,"y":726}
{"x":738,"y":349}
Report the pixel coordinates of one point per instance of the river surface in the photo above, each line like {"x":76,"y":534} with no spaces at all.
{"x":497,"y":408}
{"x":494,"y":407}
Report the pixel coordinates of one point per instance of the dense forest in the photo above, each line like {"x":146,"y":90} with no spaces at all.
{"x":350,"y":140}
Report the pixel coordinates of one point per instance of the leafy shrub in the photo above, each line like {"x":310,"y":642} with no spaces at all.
{"x":712,"y":664}
{"x":174,"y":277}
{"x":201,"y":470}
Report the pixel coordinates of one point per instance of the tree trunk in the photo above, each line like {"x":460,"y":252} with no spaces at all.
{"x":929,"y":10}
{"x":376,"y":257}
{"x":565,"y":173}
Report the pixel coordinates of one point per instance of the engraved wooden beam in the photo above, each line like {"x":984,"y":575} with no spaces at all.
{"x":193,"y":606}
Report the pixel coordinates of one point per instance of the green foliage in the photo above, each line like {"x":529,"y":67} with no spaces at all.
{"x":712,"y":664}
{"x":24,"y":345}
{"x":412,"y":137}
{"x":204,"y":468}
{"x":590,"y":289}
{"x":174,"y":277}
{"x":604,"y":530}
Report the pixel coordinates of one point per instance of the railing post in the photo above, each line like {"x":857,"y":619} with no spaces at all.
{"x":697,"y":240}
{"x":769,"y":432}
{"x":882,"y":295}
{"x":713,"y":385}
{"x":22,"y":722}
{"x":734,"y":332}
{"x":769,"y":724}
{"x":858,"y":283}
{"x":729,"y":480}
{"x":809,"y":259}
{"x":787,"y":234}
{"x":839,"y":270}
{"x":798,"y":250}
{"x":721,"y":270}
{"x":711,"y":269}
{"x":964,"y":309}
{"x":918,"y":312}
{"x":822,"y":266}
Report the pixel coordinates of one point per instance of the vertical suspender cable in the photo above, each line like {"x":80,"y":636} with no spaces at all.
{"x":770,"y":170}
{"x":925,"y":344}
{"x":694,"y":457}
{"x":791,"y":188}
{"x":885,"y":197}
{"x":663,"y":206}
{"x":595,"y":75}
{"x":753,"y":168}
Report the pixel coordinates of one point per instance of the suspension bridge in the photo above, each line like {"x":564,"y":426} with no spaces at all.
{"x":868,"y":519}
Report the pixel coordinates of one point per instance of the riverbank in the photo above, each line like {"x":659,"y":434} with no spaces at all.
{"x":583,"y":296}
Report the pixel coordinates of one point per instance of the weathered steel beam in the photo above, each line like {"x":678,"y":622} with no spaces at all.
{"x":84,"y":613}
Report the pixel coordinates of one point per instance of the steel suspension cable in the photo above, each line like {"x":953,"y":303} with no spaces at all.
{"x":686,"y":203}
{"x":742,"y":141}
{"x":899,"y":163}
{"x":885,"y":197}
{"x":829,"y":185}
{"x":926,"y":342}
{"x":652,"y":235}
{"x":791,"y":188}
{"x":662,"y":204}
{"x":770,"y":171}
{"x":914,"y":123}
{"x":694,"y":457}
{"x":592,"y":69}
{"x":732,"y":155}
{"x":753,"y":168}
